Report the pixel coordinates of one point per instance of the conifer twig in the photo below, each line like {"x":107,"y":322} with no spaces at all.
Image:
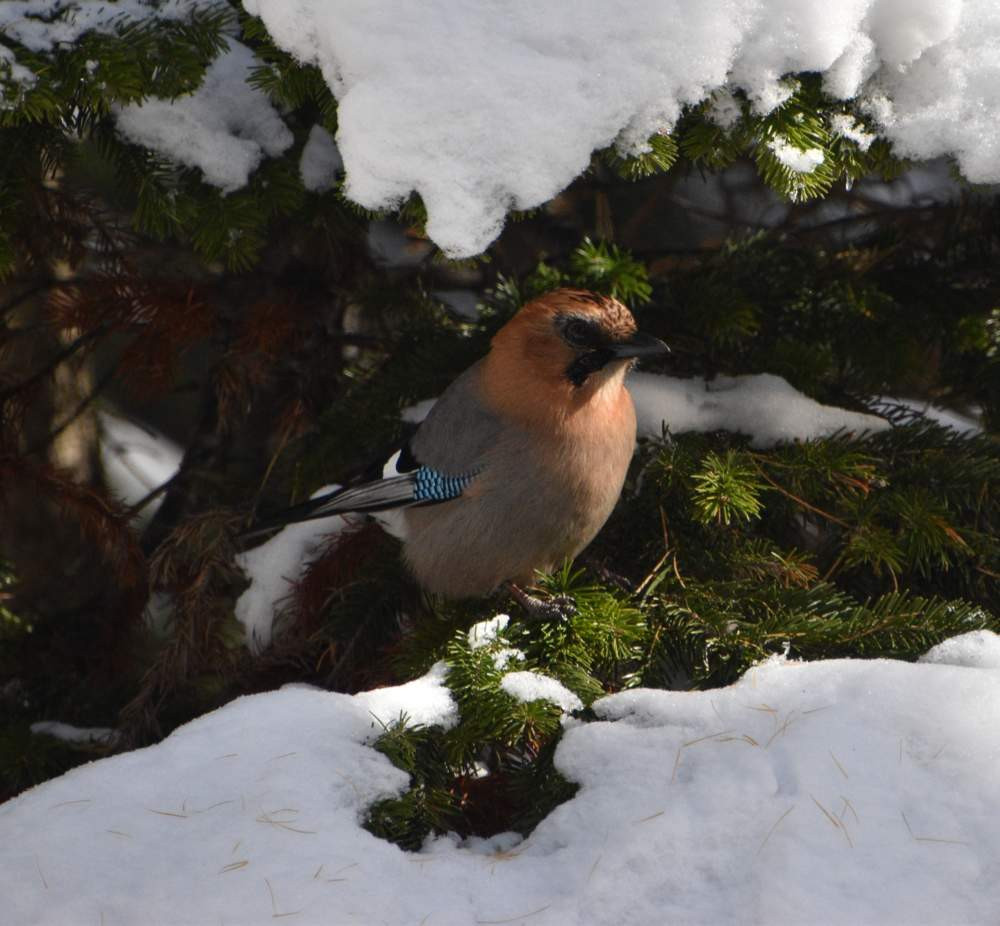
{"x":802,"y":501}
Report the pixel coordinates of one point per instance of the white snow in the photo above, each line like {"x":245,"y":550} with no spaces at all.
{"x":11,"y":68}
{"x":853,"y":792}
{"x":799,"y":160}
{"x":41,"y":25}
{"x":762,"y":405}
{"x":942,"y":82}
{"x":960,"y":422}
{"x":73,"y":734}
{"x":978,"y":649}
{"x":848,"y":127}
{"x":224,"y":128}
{"x":725,"y":110}
{"x":483,"y":106}
{"x":320,"y":162}
{"x":424,"y":701}
{"x":533,"y":686}
{"x":136,"y":460}
{"x":274,"y":567}
{"x":486,"y":635}
{"x":485,"y":632}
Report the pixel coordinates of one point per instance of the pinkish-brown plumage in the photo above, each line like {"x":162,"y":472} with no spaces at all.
{"x":523,"y":457}
{"x":554,"y":460}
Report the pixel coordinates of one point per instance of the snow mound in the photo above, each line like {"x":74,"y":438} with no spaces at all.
{"x":832,"y":792}
{"x":978,"y":649}
{"x":764,"y":406}
{"x":482,"y":106}
{"x":262,"y":787}
{"x":224,"y":128}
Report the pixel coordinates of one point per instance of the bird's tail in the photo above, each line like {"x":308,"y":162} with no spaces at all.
{"x":367,"y":498}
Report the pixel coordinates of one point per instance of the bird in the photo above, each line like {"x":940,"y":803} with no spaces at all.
{"x":520,"y":461}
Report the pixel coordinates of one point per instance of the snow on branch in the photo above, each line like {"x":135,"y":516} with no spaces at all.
{"x":224,"y":128}
{"x":482,"y":106}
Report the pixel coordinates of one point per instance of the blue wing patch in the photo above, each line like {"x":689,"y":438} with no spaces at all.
{"x":418,"y":486}
{"x":432,"y":486}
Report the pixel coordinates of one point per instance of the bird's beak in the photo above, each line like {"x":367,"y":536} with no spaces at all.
{"x":640,"y":345}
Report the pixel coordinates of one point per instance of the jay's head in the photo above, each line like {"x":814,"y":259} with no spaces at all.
{"x":572,"y":338}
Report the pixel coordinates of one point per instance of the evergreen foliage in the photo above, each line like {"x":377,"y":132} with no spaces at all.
{"x":302,"y":350}
{"x":62,"y":115}
{"x":765,"y":572}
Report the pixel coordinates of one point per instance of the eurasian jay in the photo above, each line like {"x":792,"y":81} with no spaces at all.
{"x":522,"y":458}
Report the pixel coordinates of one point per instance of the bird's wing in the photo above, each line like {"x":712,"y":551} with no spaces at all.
{"x":460,"y":430}
{"x":436,"y":465}
{"x":421,"y":486}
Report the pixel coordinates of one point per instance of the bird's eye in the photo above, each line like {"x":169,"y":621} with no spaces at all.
{"x":578,"y":333}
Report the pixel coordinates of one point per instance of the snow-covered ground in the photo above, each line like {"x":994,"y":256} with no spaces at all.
{"x":832,"y":792}
{"x":838,"y":792}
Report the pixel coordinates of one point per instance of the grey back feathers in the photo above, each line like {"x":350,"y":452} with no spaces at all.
{"x":456,"y":437}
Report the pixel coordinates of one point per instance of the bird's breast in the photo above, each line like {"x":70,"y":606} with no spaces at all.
{"x":590,"y":450}
{"x":540,"y":499}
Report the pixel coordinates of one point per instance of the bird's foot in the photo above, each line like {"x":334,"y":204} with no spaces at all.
{"x":557,"y":608}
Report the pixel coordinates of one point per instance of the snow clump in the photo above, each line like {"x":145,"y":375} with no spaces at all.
{"x":482,"y":107}
{"x":533,"y":686}
{"x":802,"y":161}
{"x":224,"y":128}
